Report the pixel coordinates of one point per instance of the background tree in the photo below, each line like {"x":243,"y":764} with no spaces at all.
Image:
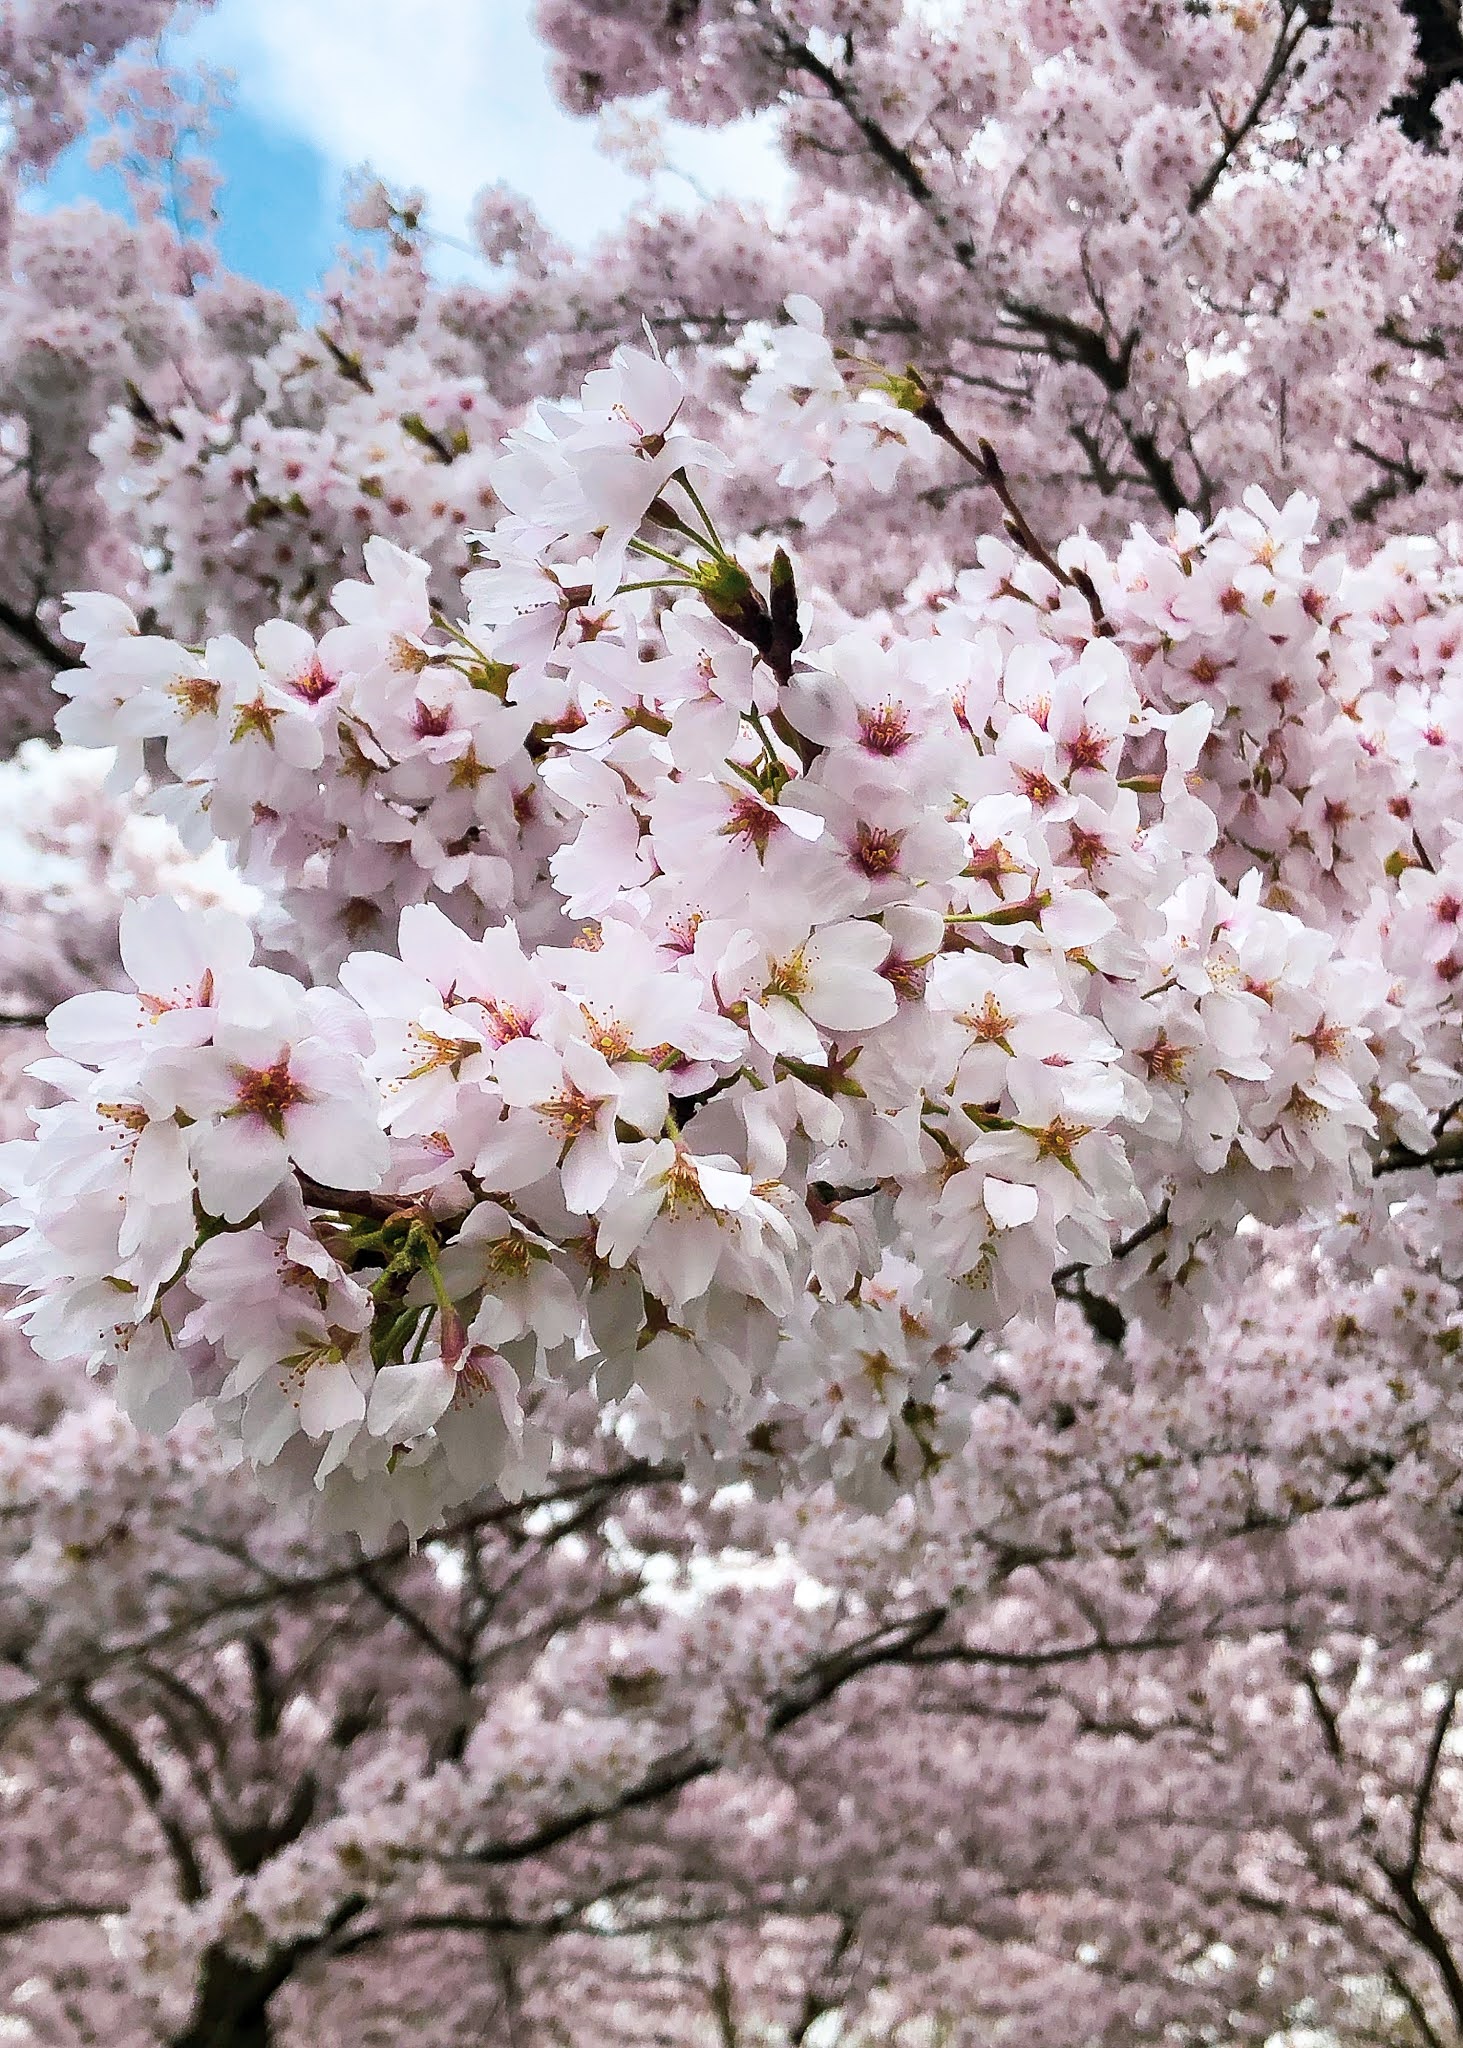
{"x":639,"y":1753}
{"x":614,"y":1764}
{"x":1157,"y":254}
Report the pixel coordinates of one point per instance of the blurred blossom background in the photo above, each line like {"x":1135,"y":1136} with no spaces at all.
{"x":441,"y":97}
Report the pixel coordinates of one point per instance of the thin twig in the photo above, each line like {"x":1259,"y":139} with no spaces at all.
{"x":987,"y":465}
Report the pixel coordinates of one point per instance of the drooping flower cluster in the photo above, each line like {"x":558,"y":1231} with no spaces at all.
{"x":740,"y":1007}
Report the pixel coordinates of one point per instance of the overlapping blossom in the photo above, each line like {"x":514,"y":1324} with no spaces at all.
{"x":736,"y":1006}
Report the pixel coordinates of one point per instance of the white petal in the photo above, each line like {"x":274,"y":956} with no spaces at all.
{"x":407,"y":1399}
{"x":238,"y":1162}
{"x":330,"y":1399}
{"x":1008,"y":1203}
{"x":339,"y":1143}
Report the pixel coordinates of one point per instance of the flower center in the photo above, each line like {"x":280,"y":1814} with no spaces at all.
{"x":683,"y":1193}
{"x":1058,"y":1138}
{"x":1038,"y":786}
{"x":1327,"y":1041}
{"x":439,"y":1051}
{"x":268,"y":1093}
{"x":1163,"y":1061}
{"x":788,"y":978}
{"x":311,"y":684}
{"x":504,"y":1022}
{"x":751,"y":821}
{"x":1087,"y":750}
{"x":405,"y":658}
{"x":1088,"y":849}
{"x":256,"y":717}
{"x":194,"y":695}
{"x":572,"y":1113}
{"x":509,"y":1257}
{"x":989,"y":1024}
{"x":876,"y":849}
{"x":609,"y":1037}
{"x":430,"y":721}
{"x":884,"y":729}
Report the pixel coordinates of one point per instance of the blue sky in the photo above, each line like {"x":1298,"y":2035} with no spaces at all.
{"x":449,"y":95}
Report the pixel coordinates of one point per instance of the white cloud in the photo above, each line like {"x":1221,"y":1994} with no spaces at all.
{"x":450,"y":95}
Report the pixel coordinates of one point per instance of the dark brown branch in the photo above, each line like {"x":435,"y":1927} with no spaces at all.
{"x":122,"y":1745}
{"x":684,"y":1767}
{"x":818,"y":2001}
{"x":1286,"y":44}
{"x":1422,"y":1798}
{"x":1426,"y":2030}
{"x":1445,"y":1157}
{"x":1438,"y":46}
{"x":283,"y":1590}
{"x":416,"y":1625}
{"x":1083,"y":344}
{"x":987,"y":466}
{"x":1068,"y":1653}
{"x":1326,"y":1719}
{"x":722,"y":2009}
{"x":17,"y":1919}
{"x":1074,"y":343}
{"x":29,"y":631}
{"x":1417,"y":1918}
{"x":1104,"y":1318}
{"x":898,"y":162}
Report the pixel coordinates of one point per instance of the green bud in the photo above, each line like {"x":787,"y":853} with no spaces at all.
{"x":905,"y":388}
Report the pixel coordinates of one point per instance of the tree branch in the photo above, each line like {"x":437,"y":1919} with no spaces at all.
{"x":122,"y":1745}
{"x":1286,"y":45}
{"x":29,"y":631}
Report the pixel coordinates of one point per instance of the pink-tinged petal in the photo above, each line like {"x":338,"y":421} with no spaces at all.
{"x":303,"y":1250}
{"x":338,"y":1143}
{"x":160,"y":1171}
{"x":781,"y":1027}
{"x":330,"y":1398}
{"x":723,"y":1188}
{"x":589,"y":1070}
{"x":96,"y":1027}
{"x":643,"y":1098}
{"x":679,"y":1262}
{"x":170,"y":951}
{"x":383,"y":987}
{"x":528,"y":1071}
{"x":238,"y":1163}
{"x":518,"y":1151}
{"x":269,"y":1421}
{"x":297,"y":741}
{"x":484,"y":1421}
{"x":846,"y":991}
{"x":624,"y":1227}
{"x":320,"y":1070}
{"x":407,"y":1399}
{"x":851,"y":1000}
{"x":804,"y":824}
{"x":590,"y":1170}
{"x":1076,"y":918}
{"x":160,"y":948}
{"x":198,"y":1080}
{"x":1184,"y":735}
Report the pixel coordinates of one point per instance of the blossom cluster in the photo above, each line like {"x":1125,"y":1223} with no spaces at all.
{"x":727,"y":1003}
{"x":843,"y":417}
